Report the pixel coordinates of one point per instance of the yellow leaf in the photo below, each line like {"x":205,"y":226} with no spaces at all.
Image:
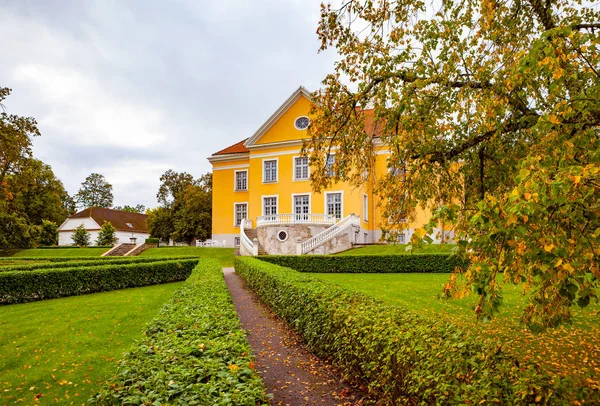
{"x":557,"y":74}
{"x":527,"y":195}
{"x":554,"y":119}
{"x":548,"y":247}
{"x":420,"y":232}
{"x":576,"y":179}
{"x":513,"y":219}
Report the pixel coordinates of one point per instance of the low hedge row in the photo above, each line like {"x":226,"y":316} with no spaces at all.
{"x":27,"y":286}
{"x":414,"y":263}
{"x":401,"y":357}
{"x":194,"y":353}
{"x":67,"y":259}
{"x":77,"y":264}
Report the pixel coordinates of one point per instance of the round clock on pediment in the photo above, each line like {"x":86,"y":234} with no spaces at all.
{"x":302,"y":123}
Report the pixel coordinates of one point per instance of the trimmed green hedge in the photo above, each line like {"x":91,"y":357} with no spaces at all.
{"x":194,"y":353}
{"x":152,"y":240}
{"x":27,"y":286}
{"x":414,"y":263}
{"x":94,"y":262}
{"x":399,"y":356}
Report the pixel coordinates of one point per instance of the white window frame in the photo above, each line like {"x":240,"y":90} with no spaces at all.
{"x":301,"y":194}
{"x":264,"y":173}
{"x":295,"y":179}
{"x":330,"y":170}
{"x":342,"y":201}
{"x":235,"y":204}
{"x":262,"y":203}
{"x":235,"y":188}
{"x":365,"y":208}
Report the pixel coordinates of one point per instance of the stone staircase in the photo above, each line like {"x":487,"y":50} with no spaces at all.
{"x":252,"y":234}
{"x":119,"y":250}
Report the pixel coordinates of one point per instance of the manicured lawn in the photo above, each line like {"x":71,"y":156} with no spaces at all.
{"x":61,"y":252}
{"x":62,"y":350}
{"x":397,"y":249}
{"x":224,"y":255}
{"x":567,"y":350}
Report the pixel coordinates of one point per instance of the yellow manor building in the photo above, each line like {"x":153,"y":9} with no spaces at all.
{"x":263,"y":200}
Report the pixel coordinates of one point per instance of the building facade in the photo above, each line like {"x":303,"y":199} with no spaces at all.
{"x":265,"y":179}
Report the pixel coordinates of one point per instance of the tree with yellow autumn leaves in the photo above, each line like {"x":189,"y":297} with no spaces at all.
{"x":491,"y":111}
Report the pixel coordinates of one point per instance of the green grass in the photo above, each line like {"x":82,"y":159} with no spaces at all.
{"x":61,"y":252}
{"x":64,"y":349}
{"x":224,"y":255}
{"x":396,"y":249}
{"x":566,"y":350}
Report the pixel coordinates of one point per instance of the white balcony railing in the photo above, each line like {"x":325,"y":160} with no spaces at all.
{"x":325,"y":219}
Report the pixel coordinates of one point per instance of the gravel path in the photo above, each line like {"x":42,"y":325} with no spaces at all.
{"x":291,"y":374}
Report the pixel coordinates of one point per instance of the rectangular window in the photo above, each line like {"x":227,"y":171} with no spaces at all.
{"x":300,"y":168}
{"x":270,"y":171}
{"x":366,"y":236}
{"x":269,"y":206}
{"x":241,"y":213}
{"x":329,"y":164}
{"x":241,"y":180}
{"x":334,"y":205}
{"x":236,"y":241}
{"x":302,"y":208}
{"x":401,"y":238}
{"x":365,"y":208}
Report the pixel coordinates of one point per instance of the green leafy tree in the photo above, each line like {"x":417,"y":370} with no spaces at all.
{"x":95,"y":191}
{"x":160,"y":223}
{"x":107,"y":234}
{"x":48,"y":233}
{"x":491,"y":114}
{"x":15,"y":138}
{"x":172,"y":187}
{"x":16,"y":231}
{"x":81,"y":236}
{"x":138,"y":208}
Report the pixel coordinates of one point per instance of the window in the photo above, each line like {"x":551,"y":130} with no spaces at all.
{"x":302,"y":208}
{"x":365,"y":207}
{"x":329,"y":164}
{"x":302,"y":123}
{"x":270,"y":171}
{"x":282,"y":235}
{"x":241,"y":213}
{"x":366,"y":237}
{"x":300,"y":168}
{"x":269,"y":206}
{"x":129,"y":225}
{"x":236,"y":241}
{"x":334,"y":205}
{"x":241,"y":180}
{"x":401,"y":238}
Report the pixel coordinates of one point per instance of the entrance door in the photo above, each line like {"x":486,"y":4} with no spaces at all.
{"x":302,"y":208}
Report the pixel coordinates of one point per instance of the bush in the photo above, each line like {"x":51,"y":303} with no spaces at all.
{"x":48,"y":233}
{"x":152,"y":240}
{"x":194,"y":352}
{"x":401,"y":357}
{"x":107,"y":234}
{"x":27,"y":286}
{"x":415,"y":263}
{"x":81,"y":236}
{"x":81,"y":263}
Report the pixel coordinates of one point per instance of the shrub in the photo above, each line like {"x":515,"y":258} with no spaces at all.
{"x":27,"y":286}
{"x":401,"y":357}
{"x":416,"y":263}
{"x":194,"y":352}
{"x":48,"y":233}
{"x":107,"y":234}
{"x":152,"y":240}
{"x":80,"y":263}
{"x":81,"y":236}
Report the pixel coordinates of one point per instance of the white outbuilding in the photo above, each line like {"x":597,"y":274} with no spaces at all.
{"x":128,"y":225}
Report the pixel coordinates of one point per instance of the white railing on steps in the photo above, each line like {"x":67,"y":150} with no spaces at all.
{"x":342,"y":226}
{"x":245,"y":241}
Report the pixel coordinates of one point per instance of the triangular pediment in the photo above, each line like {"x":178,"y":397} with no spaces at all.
{"x":292,"y":102}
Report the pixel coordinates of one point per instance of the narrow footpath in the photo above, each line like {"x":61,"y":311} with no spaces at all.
{"x":291,"y":374}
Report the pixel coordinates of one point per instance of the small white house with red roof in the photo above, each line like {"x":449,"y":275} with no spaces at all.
{"x":128,"y":225}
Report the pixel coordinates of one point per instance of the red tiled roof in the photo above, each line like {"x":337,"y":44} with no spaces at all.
{"x":236,"y":148}
{"x":117,"y":218}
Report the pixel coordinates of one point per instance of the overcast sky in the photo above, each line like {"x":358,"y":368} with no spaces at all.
{"x":129,"y":89}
